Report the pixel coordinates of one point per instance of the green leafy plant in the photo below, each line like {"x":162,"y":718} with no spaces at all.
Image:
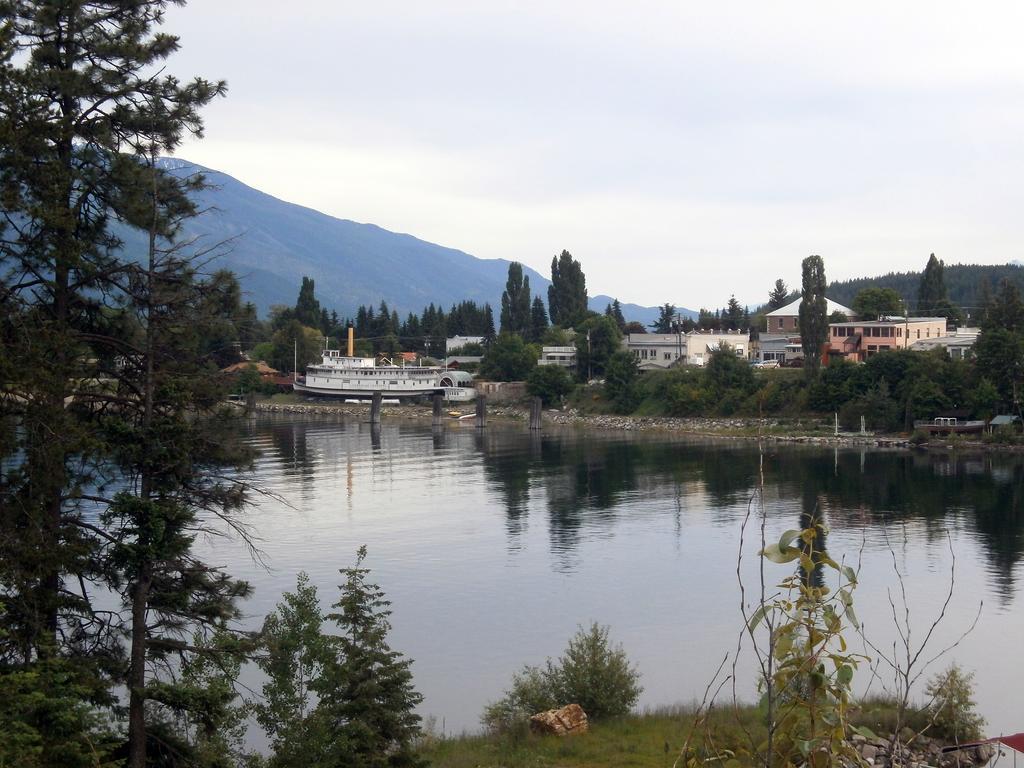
{"x":806,"y":669}
{"x":591,"y":672}
{"x":550,"y":383}
{"x":811,"y":678}
{"x":952,"y":705}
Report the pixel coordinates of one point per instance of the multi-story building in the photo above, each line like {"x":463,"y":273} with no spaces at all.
{"x":562,"y":356}
{"x":785,"y":321}
{"x":654,"y":351}
{"x":861,"y":339}
{"x":700,"y":344}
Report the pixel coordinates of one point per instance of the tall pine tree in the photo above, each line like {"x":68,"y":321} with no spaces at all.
{"x":85,"y":109}
{"x":515,"y":301}
{"x":778,"y":295}
{"x":813,"y":313}
{"x":366,"y":693}
{"x":567,"y":294}
{"x":538,"y":320}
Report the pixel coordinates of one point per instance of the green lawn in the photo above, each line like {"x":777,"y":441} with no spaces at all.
{"x":634,"y":741}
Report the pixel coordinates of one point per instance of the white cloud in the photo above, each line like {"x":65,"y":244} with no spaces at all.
{"x":683,"y":151}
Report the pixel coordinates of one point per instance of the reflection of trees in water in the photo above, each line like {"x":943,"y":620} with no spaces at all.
{"x":812,"y":516}
{"x":868,"y":489}
{"x":587,"y":477}
{"x":507,"y":463}
{"x":290,"y":447}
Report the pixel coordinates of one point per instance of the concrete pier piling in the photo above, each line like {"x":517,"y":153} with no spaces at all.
{"x":481,"y":411}
{"x":536,"y":411}
{"x":375,"y":406}
{"x":438,"y":412}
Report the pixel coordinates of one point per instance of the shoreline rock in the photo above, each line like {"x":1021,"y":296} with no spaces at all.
{"x":719,"y":428}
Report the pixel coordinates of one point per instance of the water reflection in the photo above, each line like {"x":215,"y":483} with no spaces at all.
{"x":588,"y":486}
{"x":585,"y":483}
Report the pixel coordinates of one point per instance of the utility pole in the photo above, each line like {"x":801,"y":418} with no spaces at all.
{"x":679,"y":336}
{"x":590,"y":369}
{"x":295,"y":359}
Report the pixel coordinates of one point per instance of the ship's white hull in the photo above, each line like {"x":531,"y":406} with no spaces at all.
{"x":365,"y":394}
{"x":353,"y":377}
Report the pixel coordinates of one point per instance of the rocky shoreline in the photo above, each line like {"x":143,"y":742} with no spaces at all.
{"x":719,"y":428}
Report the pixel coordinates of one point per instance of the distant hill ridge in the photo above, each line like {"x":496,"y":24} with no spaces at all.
{"x":274,"y":243}
{"x":963,"y":282}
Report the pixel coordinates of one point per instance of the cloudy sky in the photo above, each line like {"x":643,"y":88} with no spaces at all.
{"x":682,"y":151}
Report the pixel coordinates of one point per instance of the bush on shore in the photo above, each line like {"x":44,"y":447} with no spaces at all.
{"x":591,"y":672}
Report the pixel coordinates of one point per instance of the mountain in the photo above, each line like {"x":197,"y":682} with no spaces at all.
{"x":646,"y":315}
{"x":270,"y":244}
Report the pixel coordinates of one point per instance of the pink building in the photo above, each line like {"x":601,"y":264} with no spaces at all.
{"x":861,"y":339}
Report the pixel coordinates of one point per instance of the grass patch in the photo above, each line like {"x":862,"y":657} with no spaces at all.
{"x":649,"y":740}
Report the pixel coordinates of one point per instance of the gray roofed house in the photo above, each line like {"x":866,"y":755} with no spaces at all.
{"x":786,"y":320}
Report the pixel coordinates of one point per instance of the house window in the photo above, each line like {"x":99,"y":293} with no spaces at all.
{"x":919,"y":333}
{"x":780,"y":323}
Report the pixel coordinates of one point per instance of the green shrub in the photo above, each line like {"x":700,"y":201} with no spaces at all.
{"x":621,"y":381}
{"x":591,"y":672}
{"x":550,"y":383}
{"x":952,"y":705}
{"x":920,"y":437}
{"x":529,"y":694}
{"x":595,"y":675}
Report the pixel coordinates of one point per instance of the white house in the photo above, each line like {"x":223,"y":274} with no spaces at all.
{"x":656,"y":351}
{"x":562,"y":356}
{"x":455,"y":343}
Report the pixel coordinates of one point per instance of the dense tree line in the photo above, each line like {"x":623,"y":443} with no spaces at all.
{"x":967,"y":285}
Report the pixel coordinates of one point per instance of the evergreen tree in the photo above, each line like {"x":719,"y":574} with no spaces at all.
{"x":366,"y":692}
{"x":169,"y":423}
{"x":666,"y":319}
{"x":932,"y":297}
{"x":616,"y":313}
{"x":567,"y":294}
{"x":515,"y":302}
{"x":307,"y":308}
{"x":734,"y":313}
{"x":932,"y":289}
{"x":813,"y":317}
{"x":778,"y":295}
{"x":538,"y":320}
{"x":488,"y":334}
{"x":999,"y":350}
{"x":82,"y":98}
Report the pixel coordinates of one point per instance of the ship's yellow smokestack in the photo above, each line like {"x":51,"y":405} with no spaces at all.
{"x":351,"y":341}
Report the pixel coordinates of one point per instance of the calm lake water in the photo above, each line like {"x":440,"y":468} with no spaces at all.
{"x":493,"y":547}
